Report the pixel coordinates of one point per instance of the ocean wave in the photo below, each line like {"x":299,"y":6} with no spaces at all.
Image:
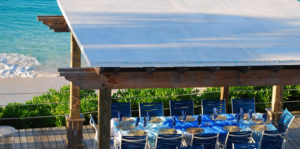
{"x":19,"y":65}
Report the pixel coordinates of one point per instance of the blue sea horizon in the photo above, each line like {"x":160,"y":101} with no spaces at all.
{"x":27,"y":47}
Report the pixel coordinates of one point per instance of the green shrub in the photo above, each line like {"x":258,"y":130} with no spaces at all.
{"x":59,"y":106}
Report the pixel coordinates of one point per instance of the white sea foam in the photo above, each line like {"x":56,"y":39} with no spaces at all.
{"x":18,"y":65}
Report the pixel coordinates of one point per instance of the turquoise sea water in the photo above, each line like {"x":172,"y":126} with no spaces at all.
{"x":26,"y":45}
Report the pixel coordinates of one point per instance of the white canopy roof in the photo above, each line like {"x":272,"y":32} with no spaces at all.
{"x":185,"y":33}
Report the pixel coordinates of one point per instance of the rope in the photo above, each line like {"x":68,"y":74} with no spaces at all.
{"x":37,"y":117}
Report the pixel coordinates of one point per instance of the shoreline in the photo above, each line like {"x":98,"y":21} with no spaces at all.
{"x":23,"y":89}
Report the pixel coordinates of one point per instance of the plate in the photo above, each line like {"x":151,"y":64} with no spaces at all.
{"x":259,"y":127}
{"x":137,"y":133}
{"x":219,"y":117}
{"x":125,"y":120}
{"x":194,"y":130}
{"x":246,"y":116}
{"x":257,"y":121}
{"x":189,"y":118}
{"x":155,"y":120}
{"x":232,"y":128}
{"x":125,"y":126}
{"x":167,"y":131}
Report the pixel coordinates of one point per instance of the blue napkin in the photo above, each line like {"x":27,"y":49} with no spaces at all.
{"x":237,"y":116}
{"x":184,"y":115}
{"x":265,"y":117}
{"x":242,"y":113}
{"x":137,"y":121}
{"x":250,"y":113}
{"x":119,"y":116}
{"x":149,"y":115}
{"x":145,"y":121}
{"x":199,"y":119}
{"x":215,"y":112}
{"x":173,"y":121}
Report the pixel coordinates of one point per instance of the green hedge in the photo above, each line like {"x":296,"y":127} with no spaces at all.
{"x":89,"y":102}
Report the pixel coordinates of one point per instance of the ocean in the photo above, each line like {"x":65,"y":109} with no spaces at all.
{"x":29,"y":48}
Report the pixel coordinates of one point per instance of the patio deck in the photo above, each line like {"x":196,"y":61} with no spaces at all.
{"x":54,"y":137}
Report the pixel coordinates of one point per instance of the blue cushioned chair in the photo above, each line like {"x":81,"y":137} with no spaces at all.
{"x":246,"y":146}
{"x":245,"y":103}
{"x":155,"y":109}
{"x":209,"y":141}
{"x":123,"y":108}
{"x":176,"y":107}
{"x":238,"y":137}
{"x":168,"y":141}
{"x":272,"y":140}
{"x":285,"y":120}
{"x":131,"y":142}
{"x":209,"y":105}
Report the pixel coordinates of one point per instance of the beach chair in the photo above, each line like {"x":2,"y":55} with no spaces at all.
{"x":285,"y":120}
{"x":131,"y":142}
{"x":273,"y":140}
{"x":94,"y":125}
{"x":168,"y":141}
{"x":246,"y":146}
{"x":237,"y":137}
{"x":155,"y":109}
{"x":123,"y":108}
{"x":209,"y":105}
{"x":245,"y":103}
{"x":209,"y":141}
{"x":176,"y":107}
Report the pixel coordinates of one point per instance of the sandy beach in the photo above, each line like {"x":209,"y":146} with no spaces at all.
{"x":23,"y":89}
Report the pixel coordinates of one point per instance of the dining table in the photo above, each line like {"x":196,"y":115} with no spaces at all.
{"x":208,"y":124}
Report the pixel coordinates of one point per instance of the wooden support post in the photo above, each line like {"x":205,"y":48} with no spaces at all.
{"x":74,"y":121}
{"x":276,"y":107}
{"x":225,"y":96}
{"x":104,"y":115}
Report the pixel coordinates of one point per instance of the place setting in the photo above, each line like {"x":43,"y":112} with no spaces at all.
{"x":232,"y":128}
{"x":216,"y":116}
{"x":196,"y":130}
{"x":260,"y":124}
{"x":186,"y":118}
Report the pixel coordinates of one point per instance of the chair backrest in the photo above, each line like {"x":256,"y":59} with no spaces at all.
{"x":176,"y":107}
{"x":209,"y":105}
{"x":133,"y":142}
{"x":123,"y":108}
{"x":272,"y":139}
{"x":238,"y":137}
{"x":246,"y":146}
{"x":155,"y":109}
{"x":207,"y":140}
{"x":168,"y":141}
{"x":285,"y":120}
{"x":245,"y":103}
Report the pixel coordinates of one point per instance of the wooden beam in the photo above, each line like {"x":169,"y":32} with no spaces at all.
{"x":104,"y":115}
{"x":277,"y":97}
{"x":225,"y":96}
{"x":57,"y":23}
{"x":74,"y":89}
{"x":74,"y":122}
{"x":87,"y":78}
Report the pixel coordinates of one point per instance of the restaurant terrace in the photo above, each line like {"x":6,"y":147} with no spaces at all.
{"x":176,"y":44}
